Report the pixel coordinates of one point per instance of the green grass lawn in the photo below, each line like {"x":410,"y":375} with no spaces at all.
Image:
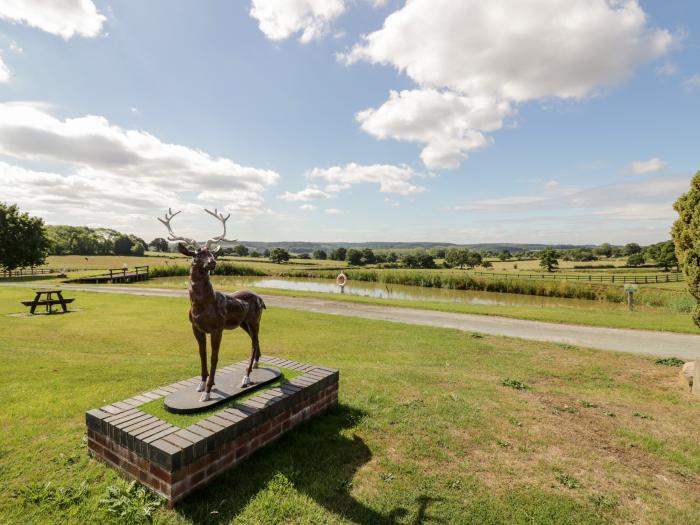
{"x":431,"y":427}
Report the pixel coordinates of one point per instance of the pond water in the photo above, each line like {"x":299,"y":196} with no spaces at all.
{"x":417,"y":293}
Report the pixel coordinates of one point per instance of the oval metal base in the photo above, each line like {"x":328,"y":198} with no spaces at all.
{"x":227,"y":387}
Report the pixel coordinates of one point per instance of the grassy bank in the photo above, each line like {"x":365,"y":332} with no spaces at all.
{"x":431,"y":426}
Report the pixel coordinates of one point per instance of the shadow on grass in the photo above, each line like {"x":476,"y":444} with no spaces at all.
{"x":314,"y":460}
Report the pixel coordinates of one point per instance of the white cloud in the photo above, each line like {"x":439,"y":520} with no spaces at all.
{"x":64,"y":18}
{"x":500,"y":53}
{"x":640,"y":167}
{"x":15,"y":48}
{"x":449,"y":124}
{"x":692,"y":83}
{"x":310,"y":193}
{"x":30,"y":132}
{"x":616,"y":201}
{"x":308,"y":207}
{"x":391,"y":179}
{"x":4,"y":71}
{"x":391,"y":202}
{"x":668,"y":69}
{"x":279,"y":19}
{"x":332,"y":211}
{"x":110,"y":172}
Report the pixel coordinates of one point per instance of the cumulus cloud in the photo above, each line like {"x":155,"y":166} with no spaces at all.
{"x":308,"y":207}
{"x":4,"y":71}
{"x":279,"y":19}
{"x":692,"y":83}
{"x":640,"y":167}
{"x":500,"y":53}
{"x":105,"y":169}
{"x":64,"y":18}
{"x":310,"y":193}
{"x":449,"y":124}
{"x":391,"y":179}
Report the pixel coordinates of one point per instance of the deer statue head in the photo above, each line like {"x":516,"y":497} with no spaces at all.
{"x":203,"y":257}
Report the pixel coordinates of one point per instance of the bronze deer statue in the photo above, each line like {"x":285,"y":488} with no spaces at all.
{"x":213,"y":312}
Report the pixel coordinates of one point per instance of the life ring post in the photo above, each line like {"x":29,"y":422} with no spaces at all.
{"x":341,"y":281}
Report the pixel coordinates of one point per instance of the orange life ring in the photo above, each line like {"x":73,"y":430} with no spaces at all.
{"x":341,"y":280}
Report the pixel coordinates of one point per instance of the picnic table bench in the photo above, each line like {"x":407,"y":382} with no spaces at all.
{"x":49,"y":302}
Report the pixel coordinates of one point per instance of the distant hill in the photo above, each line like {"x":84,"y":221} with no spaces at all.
{"x":308,"y":247}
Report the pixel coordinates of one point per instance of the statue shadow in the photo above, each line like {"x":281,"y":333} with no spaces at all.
{"x":316,"y":458}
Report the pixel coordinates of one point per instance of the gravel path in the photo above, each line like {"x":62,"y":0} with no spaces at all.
{"x":684,"y":346}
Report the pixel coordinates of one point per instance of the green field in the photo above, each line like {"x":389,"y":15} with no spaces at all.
{"x":431,"y":426}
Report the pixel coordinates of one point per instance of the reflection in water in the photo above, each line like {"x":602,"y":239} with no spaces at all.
{"x":416,"y":293}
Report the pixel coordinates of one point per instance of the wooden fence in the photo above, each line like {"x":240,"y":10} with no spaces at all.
{"x":21,"y":272}
{"x":668,"y":277}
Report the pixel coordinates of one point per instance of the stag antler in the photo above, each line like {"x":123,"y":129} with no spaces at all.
{"x":172,"y":237}
{"x":220,"y":217}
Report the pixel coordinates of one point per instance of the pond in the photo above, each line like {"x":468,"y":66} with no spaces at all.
{"x":413,"y":293}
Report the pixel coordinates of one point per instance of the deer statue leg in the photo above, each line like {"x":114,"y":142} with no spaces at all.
{"x":253,"y":362}
{"x":202,"y":342}
{"x":215,"y":344}
{"x":256,"y":344}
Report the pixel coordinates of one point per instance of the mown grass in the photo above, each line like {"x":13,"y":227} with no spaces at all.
{"x":157,"y":406}
{"x":425,"y":431}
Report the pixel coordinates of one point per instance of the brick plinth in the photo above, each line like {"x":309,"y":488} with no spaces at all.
{"x":173,"y":461}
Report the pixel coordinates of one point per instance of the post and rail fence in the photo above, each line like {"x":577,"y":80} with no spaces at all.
{"x":23,"y":272}
{"x":670,"y":277}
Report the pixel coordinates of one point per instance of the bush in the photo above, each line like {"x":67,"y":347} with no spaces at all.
{"x":222,"y":268}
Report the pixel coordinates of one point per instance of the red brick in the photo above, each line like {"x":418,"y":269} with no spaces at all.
{"x":160,"y":473}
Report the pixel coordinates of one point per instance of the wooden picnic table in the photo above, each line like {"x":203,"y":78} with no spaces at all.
{"x":49,"y":302}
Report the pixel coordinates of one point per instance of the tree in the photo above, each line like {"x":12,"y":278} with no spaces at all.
{"x":122,"y":245}
{"x":487,"y":264}
{"x":23,"y":240}
{"x":473,"y":259}
{"x":304,"y":256}
{"x":548,"y":259}
{"x":137,"y":249}
{"x":635,"y":259}
{"x":339,"y":254}
{"x":632,"y":248}
{"x":392,"y":257}
{"x":505,"y":255}
{"x":240,"y":250}
{"x":255,"y":253}
{"x":418,"y":260}
{"x":368,"y":257}
{"x":353,"y":257}
{"x":604,"y":250}
{"x":686,"y":239}
{"x":438,"y":253}
{"x":457,"y":257}
{"x":159,"y":244}
{"x":664,"y":254}
{"x":320,"y":255}
{"x":279,"y":255}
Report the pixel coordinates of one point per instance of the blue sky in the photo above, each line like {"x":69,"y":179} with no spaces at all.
{"x":567,"y":121}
